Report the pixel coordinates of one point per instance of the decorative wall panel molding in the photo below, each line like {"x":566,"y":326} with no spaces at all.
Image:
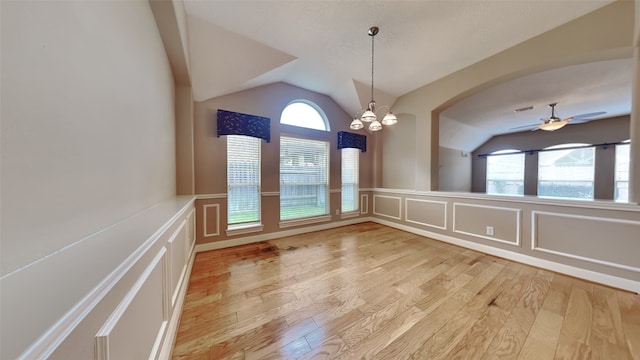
{"x":387,"y":206}
{"x":178,"y":249}
{"x":426,"y":212}
{"x":133,"y":329}
{"x":474,"y":220}
{"x":364,"y":204}
{"x":564,"y":235}
{"x":211,"y":219}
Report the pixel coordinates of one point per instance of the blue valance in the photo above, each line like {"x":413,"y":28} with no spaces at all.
{"x":233,"y":123}
{"x":351,"y":140}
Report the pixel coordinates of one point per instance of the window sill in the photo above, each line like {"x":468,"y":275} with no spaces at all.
{"x":244,"y":229}
{"x":350,"y":214}
{"x":304,"y":221}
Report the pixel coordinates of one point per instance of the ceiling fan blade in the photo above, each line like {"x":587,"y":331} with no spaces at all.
{"x":524,"y":126}
{"x":588,"y":115}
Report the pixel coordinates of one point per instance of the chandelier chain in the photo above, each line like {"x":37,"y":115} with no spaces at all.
{"x":372,"y":53}
{"x":368,"y":115}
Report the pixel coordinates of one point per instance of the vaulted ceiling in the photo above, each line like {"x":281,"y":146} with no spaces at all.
{"x":323,"y":46}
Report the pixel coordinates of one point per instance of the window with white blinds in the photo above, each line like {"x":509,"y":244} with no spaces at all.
{"x":350,"y":159}
{"x":505,"y":173}
{"x":566,"y":173}
{"x":622,"y":173}
{"x":304,"y":178}
{"x":243,"y":179}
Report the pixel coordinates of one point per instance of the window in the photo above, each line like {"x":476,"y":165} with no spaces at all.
{"x":566,"y":171}
{"x":243,"y":179}
{"x":304,"y":114}
{"x":304,"y":178}
{"x":350,"y":159}
{"x":505,"y":173}
{"x":621,"y":192}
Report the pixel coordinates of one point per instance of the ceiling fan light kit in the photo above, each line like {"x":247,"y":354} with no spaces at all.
{"x":368,"y":115}
{"x":553,"y":122}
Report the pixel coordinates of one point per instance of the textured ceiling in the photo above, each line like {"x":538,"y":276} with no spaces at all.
{"x":323,"y":46}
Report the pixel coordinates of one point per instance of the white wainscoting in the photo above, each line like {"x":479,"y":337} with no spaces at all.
{"x":582,"y":273}
{"x":112,"y":295}
{"x":141,"y":315}
{"x":592,"y":240}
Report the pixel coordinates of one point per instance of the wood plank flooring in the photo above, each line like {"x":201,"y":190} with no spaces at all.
{"x":372,"y":292}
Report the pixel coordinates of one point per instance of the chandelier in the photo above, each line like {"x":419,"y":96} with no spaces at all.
{"x":368,"y":115}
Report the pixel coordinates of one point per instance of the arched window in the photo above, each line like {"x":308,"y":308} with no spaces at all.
{"x":566,"y":171}
{"x":304,"y":114}
{"x":304,"y":166}
{"x":505,"y":172}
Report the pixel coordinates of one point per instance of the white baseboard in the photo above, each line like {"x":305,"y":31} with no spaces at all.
{"x":275,"y":235}
{"x":605,"y":279}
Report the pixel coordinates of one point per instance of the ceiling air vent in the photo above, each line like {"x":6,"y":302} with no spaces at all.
{"x":524,"y":109}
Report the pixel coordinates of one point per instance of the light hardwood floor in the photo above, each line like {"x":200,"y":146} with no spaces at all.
{"x":372,"y":292}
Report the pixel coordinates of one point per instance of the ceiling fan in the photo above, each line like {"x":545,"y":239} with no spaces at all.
{"x":554,"y":123}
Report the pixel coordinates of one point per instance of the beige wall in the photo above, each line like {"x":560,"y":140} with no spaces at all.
{"x":610,"y":130}
{"x":454,"y":170}
{"x":268,"y":101}
{"x":87,"y":142}
{"x":185,"y":182}
{"x":398,"y":168}
{"x":603,"y":34}
{"x":87,"y":122}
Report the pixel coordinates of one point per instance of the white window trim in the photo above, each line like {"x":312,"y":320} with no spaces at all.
{"x":231,"y":227}
{"x":246,"y":228}
{"x":304,"y":221}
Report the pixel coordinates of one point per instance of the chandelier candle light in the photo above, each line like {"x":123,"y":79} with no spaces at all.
{"x":369,"y":115}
